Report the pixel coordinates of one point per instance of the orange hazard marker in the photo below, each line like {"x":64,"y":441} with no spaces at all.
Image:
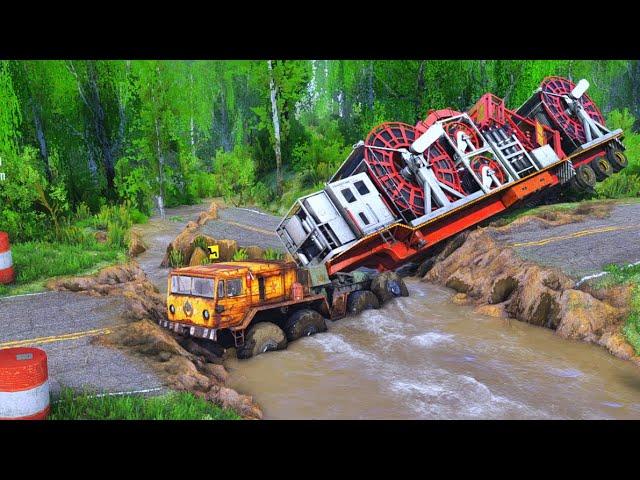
{"x":6,"y":262}
{"x":24,"y":384}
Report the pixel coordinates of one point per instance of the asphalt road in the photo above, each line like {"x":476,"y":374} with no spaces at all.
{"x":579,"y":249}
{"x":63,"y":323}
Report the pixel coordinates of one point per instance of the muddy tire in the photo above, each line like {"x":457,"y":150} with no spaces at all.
{"x":585,"y":177}
{"x":602,"y":168}
{"x":304,"y":323}
{"x":388,"y":285}
{"x":362,"y":300}
{"x":260,"y":338}
{"x":617,"y":159}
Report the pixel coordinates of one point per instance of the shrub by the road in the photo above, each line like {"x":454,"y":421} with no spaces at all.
{"x":628,"y":275}
{"x":171,"y":406}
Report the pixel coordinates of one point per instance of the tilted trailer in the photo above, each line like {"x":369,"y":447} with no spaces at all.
{"x":398,"y":194}
{"x":407,"y":188}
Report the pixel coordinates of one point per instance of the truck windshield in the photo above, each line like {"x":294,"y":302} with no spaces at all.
{"x":200,"y":287}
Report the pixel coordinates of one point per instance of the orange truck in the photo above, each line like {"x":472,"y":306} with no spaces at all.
{"x":258,"y":306}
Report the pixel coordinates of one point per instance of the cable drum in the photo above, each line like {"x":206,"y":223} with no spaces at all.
{"x":551,"y":91}
{"x":386,"y":165}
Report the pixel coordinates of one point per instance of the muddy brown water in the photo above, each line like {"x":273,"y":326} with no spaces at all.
{"x":423,"y":357}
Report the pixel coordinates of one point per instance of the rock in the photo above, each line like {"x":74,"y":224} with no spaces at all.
{"x":458,"y":285}
{"x":254,"y":252}
{"x":197,"y":257}
{"x":184,"y":243}
{"x":136,"y":245}
{"x":288,"y":257}
{"x":227,"y":249}
{"x":208,"y":354}
{"x":615,"y":342}
{"x":425,"y":266}
{"x":502,"y":289}
{"x":101,"y":236}
{"x":228,"y":398}
{"x":217,"y":372}
{"x":585,"y":317}
{"x":496,"y":311}
{"x":460,"y":299}
{"x":211,"y":214}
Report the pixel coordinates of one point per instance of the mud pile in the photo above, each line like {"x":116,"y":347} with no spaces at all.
{"x":181,"y":362}
{"x":501,"y":284}
{"x":556,"y":217}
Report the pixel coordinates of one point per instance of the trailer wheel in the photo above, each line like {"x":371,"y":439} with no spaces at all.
{"x":262,"y":337}
{"x":602,"y":168}
{"x":362,"y":300}
{"x":304,"y":323}
{"x":585,"y":177}
{"x":388,"y":285}
{"x":617,"y":159}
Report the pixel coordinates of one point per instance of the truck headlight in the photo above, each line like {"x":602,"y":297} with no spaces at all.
{"x":172,"y":309}
{"x":205,"y":314}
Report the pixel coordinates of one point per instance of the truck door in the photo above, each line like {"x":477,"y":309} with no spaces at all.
{"x":232,"y":299}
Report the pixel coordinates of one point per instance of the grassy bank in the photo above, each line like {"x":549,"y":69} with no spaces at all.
{"x":36,"y":262}
{"x":172,"y":406}
{"x":627,"y":275}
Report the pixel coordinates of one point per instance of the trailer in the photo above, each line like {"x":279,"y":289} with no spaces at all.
{"x":407,"y":188}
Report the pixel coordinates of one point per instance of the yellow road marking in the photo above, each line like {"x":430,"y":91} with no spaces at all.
{"x":248,"y":227}
{"x":56,"y":338}
{"x":580,"y":233}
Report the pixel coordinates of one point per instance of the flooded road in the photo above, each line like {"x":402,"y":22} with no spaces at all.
{"x":422,"y":357}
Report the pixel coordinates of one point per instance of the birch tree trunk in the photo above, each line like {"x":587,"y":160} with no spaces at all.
{"x":276,"y":128}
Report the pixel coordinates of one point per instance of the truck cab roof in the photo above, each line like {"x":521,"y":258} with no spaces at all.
{"x":227,"y":269}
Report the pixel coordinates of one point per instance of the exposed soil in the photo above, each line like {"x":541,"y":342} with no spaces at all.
{"x":500,"y":283}
{"x":182,"y":363}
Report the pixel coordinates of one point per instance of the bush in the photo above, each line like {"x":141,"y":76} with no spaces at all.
{"x":272,"y":254}
{"x":240,"y":255}
{"x":620,"y":185}
{"x":234,"y":172}
{"x":176,"y":259}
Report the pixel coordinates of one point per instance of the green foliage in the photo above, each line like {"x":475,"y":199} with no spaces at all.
{"x":240,"y":255}
{"x":234,"y":172}
{"x":171,"y":406}
{"x":176,"y":218}
{"x":176,"y":259}
{"x":272,"y":254}
{"x":200,"y":242}
{"x":629,"y":275}
{"x":35,"y":262}
{"x":619,"y":186}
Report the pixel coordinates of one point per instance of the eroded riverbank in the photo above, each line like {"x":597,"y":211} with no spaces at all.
{"x":424,"y":357}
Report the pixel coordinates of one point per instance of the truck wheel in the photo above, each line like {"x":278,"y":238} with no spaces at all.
{"x":388,"y":285}
{"x":617,"y":159}
{"x":304,"y":323}
{"x":602,"y":168}
{"x":262,"y":337}
{"x":362,"y":300}
{"x":585,"y":177}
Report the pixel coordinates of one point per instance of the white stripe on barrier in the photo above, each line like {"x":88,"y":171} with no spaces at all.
{"x":5,"y":260}
{"x":24,"y":403}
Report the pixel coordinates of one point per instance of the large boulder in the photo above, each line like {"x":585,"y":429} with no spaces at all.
{"x":254,"y":252}
{"x":211,"y":214}
{"x":197,"y":257}
{"x":136,"y":244}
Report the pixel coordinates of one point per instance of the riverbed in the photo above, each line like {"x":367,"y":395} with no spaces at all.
{"x":422,"y":357}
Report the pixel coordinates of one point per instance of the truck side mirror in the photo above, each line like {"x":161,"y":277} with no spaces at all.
{"x":219,"y":308}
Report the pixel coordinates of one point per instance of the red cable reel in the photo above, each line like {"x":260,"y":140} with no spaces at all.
{"x":479,"y":162}
{"x":551,"y":90}
{"x":385,"y":164}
